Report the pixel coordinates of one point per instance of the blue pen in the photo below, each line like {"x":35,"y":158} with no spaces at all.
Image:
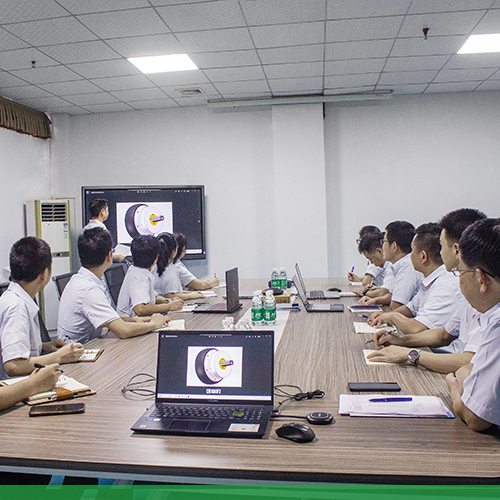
{"x":390,"y":400}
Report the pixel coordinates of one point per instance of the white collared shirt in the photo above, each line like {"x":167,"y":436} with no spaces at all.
{"x":19,"y":326}
{"x":93,"y":223}
{"x":168,"y":282}
{"x":388,"y":282}
{"x":84,"y":308}
{"x":463,"y":325}
{"x":482,"y":388}
{"x":185,"y":275}
{"x":406,"y":280}
{"x":378,"y":274}
{"x":137,"y":288}
{"x":437,"y":299}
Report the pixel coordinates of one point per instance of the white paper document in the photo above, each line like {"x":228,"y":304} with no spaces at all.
{"x":348,"y":294}
{"x":364,"y":309}
{"x":209,"y":293}
{"x":187,"y":308}
{"x":360,"y":327}
{"x":370,"y":362}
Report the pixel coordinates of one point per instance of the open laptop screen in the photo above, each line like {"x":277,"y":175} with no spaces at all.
{"x":215,"y":367}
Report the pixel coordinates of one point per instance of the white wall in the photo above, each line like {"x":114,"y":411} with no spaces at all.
{"x":413,"y":158}
{"x":25,"y":175}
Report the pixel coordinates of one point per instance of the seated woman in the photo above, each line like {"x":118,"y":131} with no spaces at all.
{"x":167,"y":281}
{"x":188,"y":280}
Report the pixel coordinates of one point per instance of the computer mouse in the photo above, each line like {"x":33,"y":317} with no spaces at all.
{"x":300,"y":433}
{"x":334,"y":289}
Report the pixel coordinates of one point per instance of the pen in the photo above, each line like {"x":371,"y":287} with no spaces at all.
{"x":390,"y":400}
{"x":381,"y":337}
{"x":39,"y":366}
{"x":352,"y":270}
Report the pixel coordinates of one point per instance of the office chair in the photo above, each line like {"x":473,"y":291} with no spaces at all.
{"x":61,"y":281}
{"x":114,"y":277}
{"x":4,"y":286}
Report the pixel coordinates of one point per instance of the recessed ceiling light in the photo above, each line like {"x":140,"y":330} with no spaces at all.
{"x":163,"y":64}
{"x":477,"y":44}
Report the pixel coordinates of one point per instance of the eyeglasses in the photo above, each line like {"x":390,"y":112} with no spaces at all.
{"x":458,"y":272}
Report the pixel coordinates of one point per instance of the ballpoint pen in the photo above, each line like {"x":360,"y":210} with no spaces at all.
{"x":39,"y":366}
{"x":381,"y":337}
{"x":390,"y":400}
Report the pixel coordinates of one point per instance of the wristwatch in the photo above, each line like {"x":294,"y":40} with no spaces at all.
{"x":413,"y":355}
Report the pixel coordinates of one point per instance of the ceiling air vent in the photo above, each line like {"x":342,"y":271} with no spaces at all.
{"x":54,"y":212}
{"x":190,"y":92}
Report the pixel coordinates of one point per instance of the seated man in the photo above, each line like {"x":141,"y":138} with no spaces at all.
{"x":137,"y":295}
{"x":475,"y":387}
{"x":374,"y":274}
{"x":84,"y":309}
{"x":459,"y":333}
{"x":188,"y":279}
{"x":402,"y":285}
{"x":21,"y":344}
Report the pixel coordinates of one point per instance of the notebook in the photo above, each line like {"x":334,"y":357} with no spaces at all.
{"x":315,"y":294}
{"x":212,"y":383}
{"x":315,"y":307}
{"x":233,"y":298}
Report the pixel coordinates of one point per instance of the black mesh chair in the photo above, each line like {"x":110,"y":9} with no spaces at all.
{"x":61,"y":281}
{"x":114,"y":277}
{"x":4,"y":286}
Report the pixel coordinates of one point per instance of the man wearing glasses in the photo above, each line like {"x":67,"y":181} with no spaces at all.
{"x":475,"y":388}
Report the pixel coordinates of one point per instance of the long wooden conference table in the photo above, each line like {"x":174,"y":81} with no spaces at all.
{"x":316,"y":351}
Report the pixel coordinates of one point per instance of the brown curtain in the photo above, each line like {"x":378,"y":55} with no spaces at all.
{"x":22,"y":119}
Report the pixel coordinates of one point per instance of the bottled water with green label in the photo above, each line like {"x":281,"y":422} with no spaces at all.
{"x":275,"y":278}
{"x":283,"y":278}
{"x":257,"y":308}
{"x":270,"y":308}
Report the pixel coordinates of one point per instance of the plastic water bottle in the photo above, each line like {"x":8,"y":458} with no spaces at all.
{"x":243,"y":324}
{"x":257,"y":308}
{"x":283,"y":278}
{"x":270,"y":309}
{"x":228,"y":323}
{"x":275,"y":278}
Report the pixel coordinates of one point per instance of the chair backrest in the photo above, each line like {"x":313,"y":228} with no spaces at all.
{"x":4,"y":286}
{"x":61,"y":281}
{"x":114,"y":278}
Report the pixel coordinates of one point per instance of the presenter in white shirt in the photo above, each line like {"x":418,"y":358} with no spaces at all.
{"x":456,"y":341}
{"x":475,"y":388}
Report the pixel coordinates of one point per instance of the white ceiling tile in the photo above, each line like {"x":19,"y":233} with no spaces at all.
{"x":203,"y":16}
{"x":490,"y":23}
{"x":154,"y":104}
{"x":247,"y":95}
{"x":91,"y":6}
{"x":358,"y":50}
{"x":424,"y":6}
{"x":464,"y":61}
{"x":69,"y":88}
{"x":451,"y":87}
{"x":119,"y":67}
{"x":7,"y":80}
{"x":216,"y":40}
{"x":495,"y":76}
{"x":349,"y":9}
{"x":44,"y":103}
{"x":242,"y":87}
{"x":298,"y":53}
{"x":464,"y":75}
{"x":295,"y":70}
{"x":26,"y":92}
{"x":206,"y":88}
{"x":441,"y":45}
{"x":176,"y":2}
{"x":153,"y":45}
{"x":70,"y":110}
{"x":350,"y":90}
{"x":22,"y":59}
{"x":108,"y":108}
{"x":416,"y":88}
{"x":139,"y":94}
{"x":343,"y":81}
{"x":14,"y":11}
{"x":489,"y":85}
{"x":185,"y":102}
{"x":449,"y":23}
{"x":80,"y":52}
{"x":283,"y":35}
{"x":235,"y":74}
{"x":47,"y":74}
{"x":354,"y":66}
{"x":406,"y":77}
{"x":86,"y":99}
{"x":415,"y":63}
{"x":51,"y":31}
{"x":372,"y":28}
{"x":299,"y":85}
{"x":10,"y":42}
{"x":282,"y":11}
{"x":124,"y":23}
{"x":207,"y":60}
{"x":123,"y":83}
{"x":178,"y":78}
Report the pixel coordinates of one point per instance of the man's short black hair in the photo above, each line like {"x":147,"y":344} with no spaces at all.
{"x":427,"y":240}
{"x":456,"y":222}
{"x":168,"y":244}
{"x":96,"y":205}
{"x":145,"y":249}
{"x":370,"y":242}
{"x":368,"y":229}
{"x":401,"y":232}
{"x":29,"y":257}
{"x":480,"y":246}
{"x":181,"y":243}
{"x":94,"y":246}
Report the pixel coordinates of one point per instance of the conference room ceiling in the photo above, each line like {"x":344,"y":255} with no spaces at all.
{"x":69,"y":56}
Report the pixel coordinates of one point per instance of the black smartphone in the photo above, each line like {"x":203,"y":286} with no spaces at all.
{"x":373,"y":386}
{"x":59,"y":409}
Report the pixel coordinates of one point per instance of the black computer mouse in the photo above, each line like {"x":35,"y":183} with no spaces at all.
{"x":334,"y":289}
{"x":300,"y":433}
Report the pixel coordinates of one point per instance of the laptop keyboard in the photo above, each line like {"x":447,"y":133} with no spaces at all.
{"x":209,"y":412}
{"x":316,"y":294}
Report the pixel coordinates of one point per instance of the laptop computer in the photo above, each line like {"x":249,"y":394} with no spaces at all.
{"x":212,"y":383}
{"x":315,"y":307}
{"x":315,"y":294}
{"x":232,"y":293}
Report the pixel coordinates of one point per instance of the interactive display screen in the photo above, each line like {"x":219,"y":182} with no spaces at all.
{"x":152,"y":210}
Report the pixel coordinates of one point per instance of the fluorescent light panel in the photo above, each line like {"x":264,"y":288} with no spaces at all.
{"x":477,"y":44}
{"x":163,"y":64}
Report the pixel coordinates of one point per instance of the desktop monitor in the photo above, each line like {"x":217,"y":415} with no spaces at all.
{"x":136,"y":210}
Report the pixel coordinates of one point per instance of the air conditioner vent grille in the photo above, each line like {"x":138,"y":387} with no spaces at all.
{"x":54,"y":212}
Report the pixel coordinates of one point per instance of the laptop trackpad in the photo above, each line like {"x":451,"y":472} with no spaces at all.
{"x":189,"y":425}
